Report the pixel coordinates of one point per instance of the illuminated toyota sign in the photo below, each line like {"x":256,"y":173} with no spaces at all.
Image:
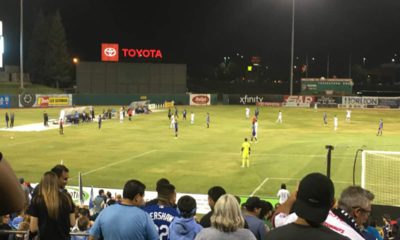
{"x":111,"y":52}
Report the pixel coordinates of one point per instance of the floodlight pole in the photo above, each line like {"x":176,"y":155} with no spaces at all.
{"x":292,"y":51}
{"x":21,"y":47}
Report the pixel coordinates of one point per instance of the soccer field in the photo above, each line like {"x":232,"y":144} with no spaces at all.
{"x":145,"y":148}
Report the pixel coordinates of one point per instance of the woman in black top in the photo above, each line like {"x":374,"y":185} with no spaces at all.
{"x":51,"y":210}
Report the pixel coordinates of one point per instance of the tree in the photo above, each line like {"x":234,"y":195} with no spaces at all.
{"x":37,"y":48}
{"x":359,"y":75}
{"x":48,"y":60}
{"x":57,"y":61}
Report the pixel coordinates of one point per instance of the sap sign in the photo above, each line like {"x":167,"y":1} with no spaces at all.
{"x":298,"y":101}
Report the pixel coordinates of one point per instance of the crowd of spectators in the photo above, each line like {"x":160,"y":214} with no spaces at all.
{"x":309,"y":212}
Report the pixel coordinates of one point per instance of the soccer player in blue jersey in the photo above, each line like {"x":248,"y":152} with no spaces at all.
{"x":163,"y":213}
{"x":380,"y":128}
{"x":176,"y":127}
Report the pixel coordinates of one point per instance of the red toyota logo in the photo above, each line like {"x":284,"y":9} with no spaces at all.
{"x":109,"y":52}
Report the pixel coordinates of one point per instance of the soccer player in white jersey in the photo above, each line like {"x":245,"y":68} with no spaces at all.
{"x":279,"y":120}
{"x":335,"y":123}
{"x":172,"y":125}
{"x":247,"y":113}
{"x":348,"y":115}
{"x":192,"y":118}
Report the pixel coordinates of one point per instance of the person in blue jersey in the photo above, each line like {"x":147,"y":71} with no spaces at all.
{"x":380,"y":128}
{"x":125,"y":220}
{"x":325,"y":117}
{"x":208,"y":120}
{"x":176,"y":127}
{"x":163,"y":213}
{"x":184,"y":114}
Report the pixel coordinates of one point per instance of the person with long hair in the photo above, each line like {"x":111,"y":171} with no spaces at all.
{"x":51,"y":210}
{"x":227,"y":222}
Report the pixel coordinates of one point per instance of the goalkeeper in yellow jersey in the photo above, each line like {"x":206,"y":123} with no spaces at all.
{"x":245,"y":153}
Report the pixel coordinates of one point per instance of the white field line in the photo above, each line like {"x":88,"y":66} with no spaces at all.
{"x":115,"y":163}
{"x":260,"y":154}
{"x":259,"y":186}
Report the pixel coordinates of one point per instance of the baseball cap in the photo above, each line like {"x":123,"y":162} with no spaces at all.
{"x":315,"y":197}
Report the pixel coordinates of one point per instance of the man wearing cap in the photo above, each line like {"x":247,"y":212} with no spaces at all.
{"x":256,"y":226}
{"x":315,"y":197}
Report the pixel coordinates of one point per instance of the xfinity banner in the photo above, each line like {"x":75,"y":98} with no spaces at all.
{"x":41,"y":100}
{"x":254,"y":99}
{"x":298,"y":101}
{"x":200,"y":99}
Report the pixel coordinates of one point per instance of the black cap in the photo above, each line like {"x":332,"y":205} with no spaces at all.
{"x":315,"y":197}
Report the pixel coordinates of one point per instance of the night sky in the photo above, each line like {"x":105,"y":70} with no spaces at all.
{"x":203,"y":32}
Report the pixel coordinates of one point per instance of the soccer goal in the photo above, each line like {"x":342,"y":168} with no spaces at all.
{"x":380,"y":174}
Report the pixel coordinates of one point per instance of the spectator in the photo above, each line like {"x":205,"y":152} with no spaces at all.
{"x":99,"y":203}
{"x":252,"y":210}
{"x":164,"y":212}
{"x":160,"y":182}
{"x":214,"y":194}
{"x":227,"y":222}
{"x":315,"y":197}
{"x":4,"y":225}
{"x":265,"y":214}
{"x":184,"y":226}
{"x":26,"y":191}
{"x":83,"y":228}
{"x":387,"y":228}
{"x":126,"y":220}
{"x":348,"y":218}
{"x":51,"y":210}
{"x":283,"y":194}
{"x":370,"y":227}
{"x":12,"y":197}
{"x":62,"y":173}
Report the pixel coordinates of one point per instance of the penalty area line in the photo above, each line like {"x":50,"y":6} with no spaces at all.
{"x":115,"y":163}
{"x":259,"y":186}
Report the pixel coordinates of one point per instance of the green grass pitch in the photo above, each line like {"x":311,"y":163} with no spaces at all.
{"x":146,"y":149}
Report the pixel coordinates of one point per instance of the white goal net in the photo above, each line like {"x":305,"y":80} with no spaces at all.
{"x":380,"y":175}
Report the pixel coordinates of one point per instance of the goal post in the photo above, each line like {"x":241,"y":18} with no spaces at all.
{"x":380,"y":174}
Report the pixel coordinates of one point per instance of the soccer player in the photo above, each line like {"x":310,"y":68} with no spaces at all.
{"x":279,"y":120}
{"x":245,"y":153}
{"x":254,"y":131}
{"x":335,"y":123}
{"x":99,"y":121}
{"x":315,"y":107}
{"x":348,"y":115}
{"x":325,"y":117}
{"x":61,"y":126}
{"x":257,"y":112}
{"x":247,"y":113}
{"x":176,"y":128}
{"x":169,"y":113}
{"x":172,"y":125}
{"x":192,"y":118}
{"x":208,"y":120}
{"x":380,"y":128}
{"x":184,"y":114}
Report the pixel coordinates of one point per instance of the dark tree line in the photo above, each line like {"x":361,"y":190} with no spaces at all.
{"x":48,"y":60}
